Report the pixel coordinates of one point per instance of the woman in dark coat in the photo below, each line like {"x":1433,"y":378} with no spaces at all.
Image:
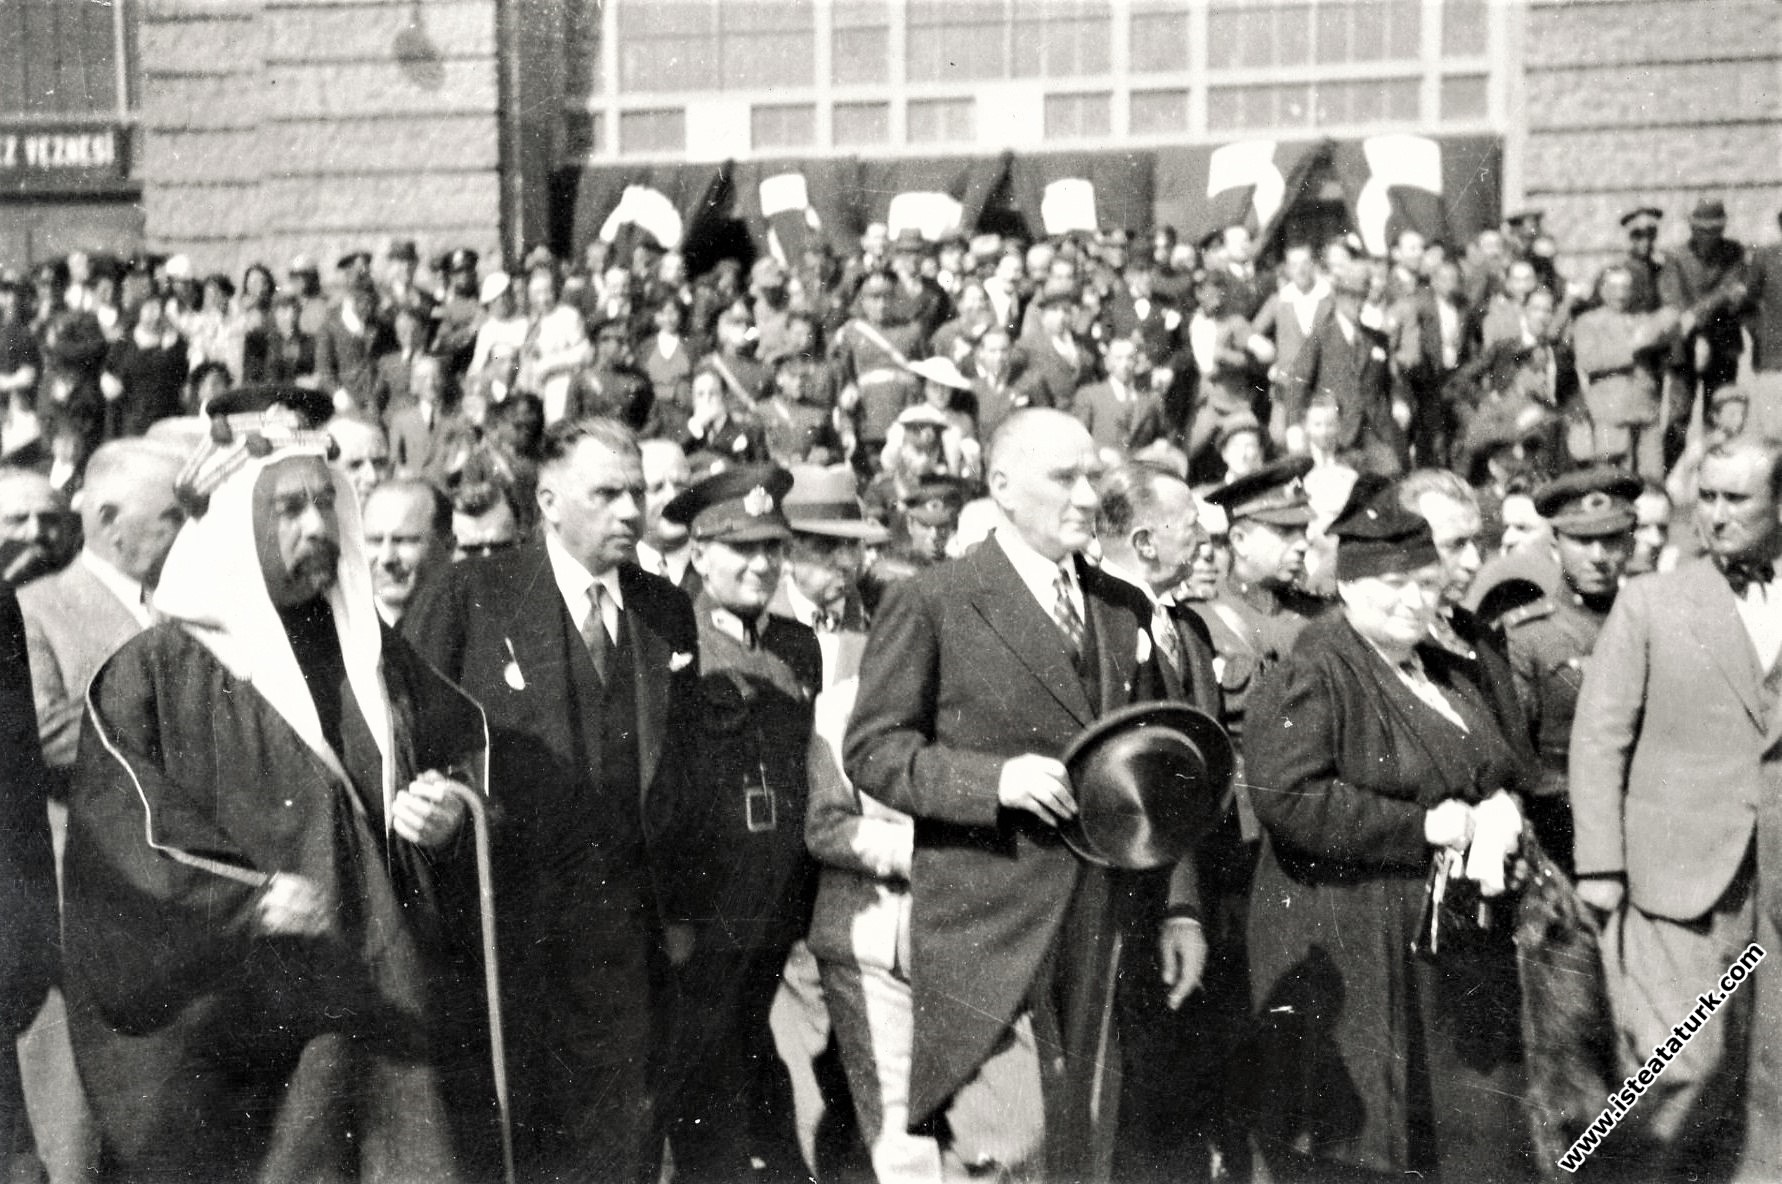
{"x":1370,"y":754}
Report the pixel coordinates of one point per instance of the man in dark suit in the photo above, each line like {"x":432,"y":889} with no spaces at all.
{"x":1058,"y":361}
{"x":1171,"y":1094}
{"x":587,"y":667}
{"x":1347,"y":360}
{"x":978,"y":674}
{"x":28,"y":941}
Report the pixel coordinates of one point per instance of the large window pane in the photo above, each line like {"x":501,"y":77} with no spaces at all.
{"x":1059,"y":40}
{"x":860,"y":56}
{"x":1159,"y":42}
{"x":861,"y":123}
{"x":1075,"y":117}
{"x":760,"y":60}
{"x":57,"y":58}
{"x":1464,"y":27}
{"x":668,"y":63}
{"x":791,"y":125}
{"x":1464,"y":98}
{"x":1155,"y":112}
{"x":652,"y":131}
{"x":935,"y":121}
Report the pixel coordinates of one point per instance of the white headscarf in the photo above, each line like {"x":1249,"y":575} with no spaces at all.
{"x":212,"y":584}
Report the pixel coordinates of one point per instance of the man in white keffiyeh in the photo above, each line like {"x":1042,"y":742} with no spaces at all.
{"x":260,"y":963}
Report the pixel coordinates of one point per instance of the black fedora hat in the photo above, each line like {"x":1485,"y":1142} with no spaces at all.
{"x":1149,"y":781}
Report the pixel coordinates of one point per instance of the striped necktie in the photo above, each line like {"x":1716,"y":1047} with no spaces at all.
{"x":1064,"y":611}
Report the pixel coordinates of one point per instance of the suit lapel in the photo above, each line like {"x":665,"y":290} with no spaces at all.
{"x":1010,"y":610}
{"x":539,"y":627}
{"x":1116,"y":641}
{"x":650,"y":655}
{"x":1716,"y":625}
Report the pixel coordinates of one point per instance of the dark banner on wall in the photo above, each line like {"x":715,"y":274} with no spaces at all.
{"x":1446,"y":187}
{"x":1061,"y":192}
{"x":42,"y":159}
{"x":670,"y":203}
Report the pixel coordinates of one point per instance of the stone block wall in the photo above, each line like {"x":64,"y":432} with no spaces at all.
{"x":278,"y":127}
{"x":1661,"y":102}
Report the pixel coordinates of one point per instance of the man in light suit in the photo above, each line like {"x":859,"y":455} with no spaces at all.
{"x":75,"y":620}
{"x":1677,"y":806}
{"x":587,"y":667}
{"x":978,"y":673}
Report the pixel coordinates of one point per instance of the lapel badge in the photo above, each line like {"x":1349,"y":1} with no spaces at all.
{"x":1142,"y":652}
{"x":511,"y":673}
{"x":758,"y":501}
{"x":678,"y":662}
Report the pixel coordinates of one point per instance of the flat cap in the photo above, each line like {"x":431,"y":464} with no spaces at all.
{"x":739,"y":505}
{"x":1590,"y":503}
{"x":1274,"y":494}
{"x":1645,"y":217}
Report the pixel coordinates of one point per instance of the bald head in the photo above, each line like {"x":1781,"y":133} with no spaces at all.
{"x":1042,"y":471}
{"x":128,"y":507}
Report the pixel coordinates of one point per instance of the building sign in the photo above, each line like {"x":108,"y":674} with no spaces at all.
{"x":48,"y":158}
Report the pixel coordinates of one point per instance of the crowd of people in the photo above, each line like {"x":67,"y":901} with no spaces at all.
{"x":759,"y":609}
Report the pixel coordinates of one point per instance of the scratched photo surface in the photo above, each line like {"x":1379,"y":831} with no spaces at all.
{"x":1128,"y":591}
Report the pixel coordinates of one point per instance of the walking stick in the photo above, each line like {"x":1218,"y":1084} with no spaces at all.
{"x":479,"y":817}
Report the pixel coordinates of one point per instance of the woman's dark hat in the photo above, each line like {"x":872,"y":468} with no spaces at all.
{"x":1377,"y":536}
{"x":1150,"y":780}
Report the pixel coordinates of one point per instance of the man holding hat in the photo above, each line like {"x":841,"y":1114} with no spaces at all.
{"x":737,"y":890}
{"x":1550,"y":639}
{"x":978,"y":675}
{"x":259,"y":980}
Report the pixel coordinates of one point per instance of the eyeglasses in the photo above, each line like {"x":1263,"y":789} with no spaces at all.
{"x":483,"y":550}
{"x":1642,"y":234}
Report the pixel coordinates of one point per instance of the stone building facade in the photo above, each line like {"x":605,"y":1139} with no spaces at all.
{"x":259,"y":129}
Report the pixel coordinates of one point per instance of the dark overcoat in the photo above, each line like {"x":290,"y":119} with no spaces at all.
{"x":965,"y":670}
{"x":578,"y":848}
{"x":1369,"y":1054}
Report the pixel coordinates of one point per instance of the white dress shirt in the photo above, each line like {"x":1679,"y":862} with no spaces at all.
{"x":1760,"y":609}
{"x":670,"y":565}
{"x":1041,"y":574}
{"x":576,"y":583}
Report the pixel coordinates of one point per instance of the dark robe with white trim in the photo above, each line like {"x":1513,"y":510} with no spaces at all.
{"x":210,"y":1050}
